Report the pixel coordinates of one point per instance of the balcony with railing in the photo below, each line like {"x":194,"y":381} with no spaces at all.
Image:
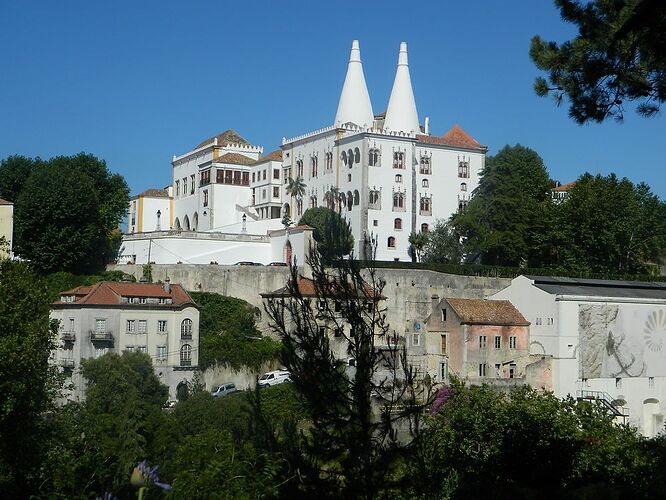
{"x":68,"y":336}
{"x":67,"y":363}
{"x":101,"y":336}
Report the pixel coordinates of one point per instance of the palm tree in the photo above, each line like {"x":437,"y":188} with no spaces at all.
{"x":296,"y":187}
{"x":331,"y":197}
{"x":418,"y":242}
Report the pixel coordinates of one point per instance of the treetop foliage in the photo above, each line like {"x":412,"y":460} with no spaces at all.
{"x":67,"y":211}
{"x":331,"y":232}
{"x":618,"y":56}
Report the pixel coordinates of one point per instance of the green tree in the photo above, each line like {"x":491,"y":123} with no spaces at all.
{"x":618,"y":56}
{"x":504,"y":220}
{"x":28,"y":385}
{"x":120,"y":418}
{"x":609,"y":225}
{"x":14,"y":171}
{"x":296,"y":187}
{"x":331,"y":232}
{"x":472,"y":445}
{"x":67,"y":214}
{"x":443,"y":245}
{"x":350,"y":448}
{"x":418,"y":241}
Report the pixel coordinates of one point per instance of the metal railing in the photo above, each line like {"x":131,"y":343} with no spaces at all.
{"x":68,"y":336}
{"x":100,"y":336}
{"x":602,"y":398}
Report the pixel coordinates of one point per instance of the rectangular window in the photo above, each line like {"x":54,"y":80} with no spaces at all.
{"x":482,"y":369}
{"x":100,"y":325}
{"x":142,"y":348}
{"x":416,"y":339}
{"x":498,"y":342}
{"x":276,"y":192}
{"x":184,"y":186}
{"x":538,"y":321}
{"x":192,"y":184}
{"x":443,"y":314}
{"x":276,"y":173}
{"x":143,"y":326}
{"x":443,"y":344}
{"x":483,"y":341}
{"x":71,"y":325}
{"x":550,"y":321}
{"x":205,"y":198}
{"x":512,"y":370}
{"x":498,"y":370}
{"x":237,"y":177}
{"x":161,"y":352}
{"x":162,"y":326}
{"x":263,"y":194}
{"x":245,"y":178}
{"x":177,"y":188}
{"x":443,"y":371}
{"x":512,"y":342}
{"x":131,"y":326}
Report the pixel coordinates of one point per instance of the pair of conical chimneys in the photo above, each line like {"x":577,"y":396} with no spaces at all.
{"x":355,"y":107}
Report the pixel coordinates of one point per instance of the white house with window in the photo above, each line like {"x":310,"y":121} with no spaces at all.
{"x":159,"y":320}
{"x":386,"y":173}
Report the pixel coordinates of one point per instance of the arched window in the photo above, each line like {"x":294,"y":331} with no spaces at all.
{"x":425,"y":183}
{"x":373,"y":198}
{"x":397,"y":224}
{"x":299,"y":207}
{"x":286,"y":210}
{"x":424,"y":165}
{"x":463,"y":186}
{"x":313,"y":201}
{"x":186,"y":223}
{"x":424,"y":228}
{"x":186,"y":355}
{"x":299,"y":168}
{"x":398,"y":200}
{"x":313,"y":165}
{"x":357,"y":156}
{"x":357,"y":198}
{"x":425,"y":205}
{"x":399,"y":159}
{"x":373,"y":157}
{"x":391,"y":242}
{"x":350,"y":200}
{"x":350,"y":157}
{"x":344,"y":157}
{"x":462,"y":206}
{"x":398,"y":178}
{"x":186,"y":329}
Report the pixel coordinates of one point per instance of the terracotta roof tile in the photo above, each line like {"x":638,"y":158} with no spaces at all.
{"x":235,"y":159}
{"x":272,"y":156}
{"x":456,"y":137}
{"x":107,"y":293}
{"x":564,"y":187}
{"x":227,"y":137}
{"x":487,"y":312}
{"x":154,"y":193}
{"x":308,"y":288}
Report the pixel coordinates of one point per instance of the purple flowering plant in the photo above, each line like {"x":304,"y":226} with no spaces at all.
{"x":144,"y":475}
{"x":441,"y":397}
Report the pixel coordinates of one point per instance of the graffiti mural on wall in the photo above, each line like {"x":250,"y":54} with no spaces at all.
{"x":622,"y":341}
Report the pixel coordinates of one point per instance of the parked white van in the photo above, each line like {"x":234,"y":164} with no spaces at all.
{"x":274,"y":378}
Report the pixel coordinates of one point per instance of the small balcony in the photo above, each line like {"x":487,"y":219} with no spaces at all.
{"x":101,"y":337}
{"x":67,"y":364}
{"x":186,"y":336}
{"x":68,"y":336}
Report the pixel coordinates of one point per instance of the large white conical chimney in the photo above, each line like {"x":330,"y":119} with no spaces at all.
{"x":354,"y":105}
{"x":401,"y":115}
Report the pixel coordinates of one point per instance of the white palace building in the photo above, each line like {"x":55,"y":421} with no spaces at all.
{"x":385,"y":173}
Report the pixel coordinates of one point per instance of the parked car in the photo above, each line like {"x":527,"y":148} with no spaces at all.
{"x":274,"y":378}
{"x":224,"y":389}
{"x":244,"y":263}
{"x":278,"y":264}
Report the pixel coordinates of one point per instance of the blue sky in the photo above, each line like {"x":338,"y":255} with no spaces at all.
{"x":135,"y":82}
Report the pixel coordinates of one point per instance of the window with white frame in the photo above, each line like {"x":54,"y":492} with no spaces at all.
{"x":161,"y":326}
{"x":512,"y":342}
{"x":186,"y":328}
{"x":399,"y":159}
{"x":399,"y":201}
{"x":131,"y":326}
{"x":161,"y":352}
{"x":177,"y":188}
{"x":397,"y":224}
{"x":482,"y":369}
{"x":391,"y":242}
{"x":425,"y":183}
{"x":416,"y":339}
{"x":483,"y":342}
{"x":142,"y":326}
{"x":373,"y":157}
{"x":374,"y":199}
{"x":186,"y":355}
{"x":498,"y":342}
{"x":463,"y":169}
{"x":538,"y":321}
{"x":425,"y":205}
{"x":276,"y":173}
{"x":205,"y":197}
{"x":463,"y":186}
{"x":142,"y":348}
{"x":398,"y":178}
{"x":424,"y":165}
{"x":100,"y":325}
{"x":192,"y":184}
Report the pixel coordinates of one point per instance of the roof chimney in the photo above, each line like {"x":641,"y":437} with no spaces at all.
{"x":401,"y":115}
{"x":354,"y":105}
{"x":167,"y":285}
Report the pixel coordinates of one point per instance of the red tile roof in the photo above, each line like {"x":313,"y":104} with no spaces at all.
{"x":272,"y":156}
{"x":109,"y":293}
{"x":154,"y":193}
{"x":235,"y":159}
{"x":456,"y":137}
{"x":227,"y":137}
{"x":308,"y":288}
{"x":564,"y":187}
{"x":487,"y":312}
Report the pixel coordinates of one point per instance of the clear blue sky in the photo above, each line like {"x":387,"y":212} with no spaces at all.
{"x":135,"y":82}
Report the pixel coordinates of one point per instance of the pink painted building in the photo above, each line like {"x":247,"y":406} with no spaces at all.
{"x":477,"y":340}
